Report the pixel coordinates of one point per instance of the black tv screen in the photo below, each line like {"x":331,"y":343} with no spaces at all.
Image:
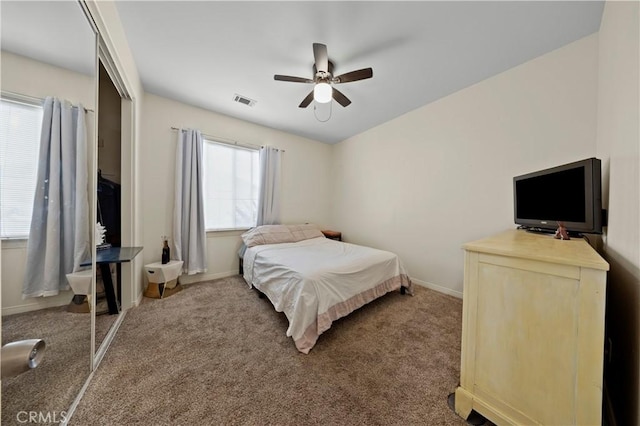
{"x":570,"y":193}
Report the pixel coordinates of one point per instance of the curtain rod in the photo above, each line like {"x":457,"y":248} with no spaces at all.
{"x":31,"y":100}
{"x":227,"y":141}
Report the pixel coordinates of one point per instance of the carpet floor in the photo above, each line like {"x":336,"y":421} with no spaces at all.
{"x":54,"y":384}
{"x":215,"y":353}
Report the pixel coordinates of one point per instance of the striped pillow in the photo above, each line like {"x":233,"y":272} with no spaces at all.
{"x":276,"y":234}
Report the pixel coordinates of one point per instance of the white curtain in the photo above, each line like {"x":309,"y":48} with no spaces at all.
{"x":60,"y":233}
{"x":269,"y":198}
{"x":189,"y":234}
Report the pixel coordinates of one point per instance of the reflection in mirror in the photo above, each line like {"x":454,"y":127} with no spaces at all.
{"x":109,"y":198}
{"x":48,"y":50}
{"x":114,"y":262}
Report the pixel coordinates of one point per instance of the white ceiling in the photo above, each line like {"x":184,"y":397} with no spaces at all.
{"x":54,"y":32}
{"x":204,"y":52}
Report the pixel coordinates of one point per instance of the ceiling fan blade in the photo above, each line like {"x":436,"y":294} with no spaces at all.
{"x":353,"y":76}
{"x":340,"y":97}
{"x":306,"y":101}
{"x":321,"y":57}
{"x":292,"y":79}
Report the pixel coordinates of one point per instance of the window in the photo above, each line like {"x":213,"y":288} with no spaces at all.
{"x":231,"y":186}
{"x":20,"y":127}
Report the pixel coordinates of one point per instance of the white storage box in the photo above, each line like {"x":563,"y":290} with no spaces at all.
{"x":80,"y":283}
{"x":163,"y":278}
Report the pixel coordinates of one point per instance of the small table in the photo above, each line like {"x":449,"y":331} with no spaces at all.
{"x":333,"y":235}
{"x":115,"y":255}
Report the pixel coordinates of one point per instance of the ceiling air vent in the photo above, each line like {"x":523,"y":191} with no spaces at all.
{"x":244,"y":100}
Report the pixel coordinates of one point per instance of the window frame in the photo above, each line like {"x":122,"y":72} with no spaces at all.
{"x":215,"y":141}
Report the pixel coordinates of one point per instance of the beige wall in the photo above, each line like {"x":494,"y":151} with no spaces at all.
{"x":306,"y":175}
{"x":32,"y":78}
{"x":618,"y":145}
{"x":424,"y":183}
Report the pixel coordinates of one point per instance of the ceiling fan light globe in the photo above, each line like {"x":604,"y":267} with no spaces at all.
{"x":322,"y":93}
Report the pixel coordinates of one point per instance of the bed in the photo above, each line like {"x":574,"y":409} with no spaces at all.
{"x":315,"y":280}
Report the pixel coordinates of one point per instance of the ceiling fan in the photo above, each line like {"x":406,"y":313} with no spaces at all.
{"x":324,"y":80}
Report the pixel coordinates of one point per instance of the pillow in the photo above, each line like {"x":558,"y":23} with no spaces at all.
{"x":305,"y":232}
{"x":276,"y":234}
{"x":267,"y":234}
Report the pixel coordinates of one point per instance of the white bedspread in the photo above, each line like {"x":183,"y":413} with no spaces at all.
{"x":316,"y":281}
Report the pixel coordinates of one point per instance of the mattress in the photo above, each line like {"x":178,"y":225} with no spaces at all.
{"x":317,"y":281}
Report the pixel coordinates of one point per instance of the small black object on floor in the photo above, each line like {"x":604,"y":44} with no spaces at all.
{"x":475,"y":418}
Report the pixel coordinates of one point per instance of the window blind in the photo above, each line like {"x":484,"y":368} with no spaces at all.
{"x":231,"y":186}
{"x":20,"y":127}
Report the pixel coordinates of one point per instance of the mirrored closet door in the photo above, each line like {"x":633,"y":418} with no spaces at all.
{"x":108,"y":203}
{"x":49,"y":49}
{"x":115,"y":253}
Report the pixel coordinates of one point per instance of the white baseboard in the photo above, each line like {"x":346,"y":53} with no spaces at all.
{"x":63,"y":299}
{"x":437,"y":288}
{"x":197,"y":278}
{"x":138,"y":300}
{"x":191,"y":279}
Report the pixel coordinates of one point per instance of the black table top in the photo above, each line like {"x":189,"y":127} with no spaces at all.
{"x":114,"y":255}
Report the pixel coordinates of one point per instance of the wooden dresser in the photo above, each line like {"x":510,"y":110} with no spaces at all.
{"x":532,"y":330}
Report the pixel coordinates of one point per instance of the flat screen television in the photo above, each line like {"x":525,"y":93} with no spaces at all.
{"x":570,"y":193}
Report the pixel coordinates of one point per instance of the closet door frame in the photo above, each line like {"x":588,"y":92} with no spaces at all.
{"x":127,"y":170}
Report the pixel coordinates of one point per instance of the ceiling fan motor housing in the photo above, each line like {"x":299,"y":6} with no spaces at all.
{"x":324,"y":80}
{"x":323,"y":76}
